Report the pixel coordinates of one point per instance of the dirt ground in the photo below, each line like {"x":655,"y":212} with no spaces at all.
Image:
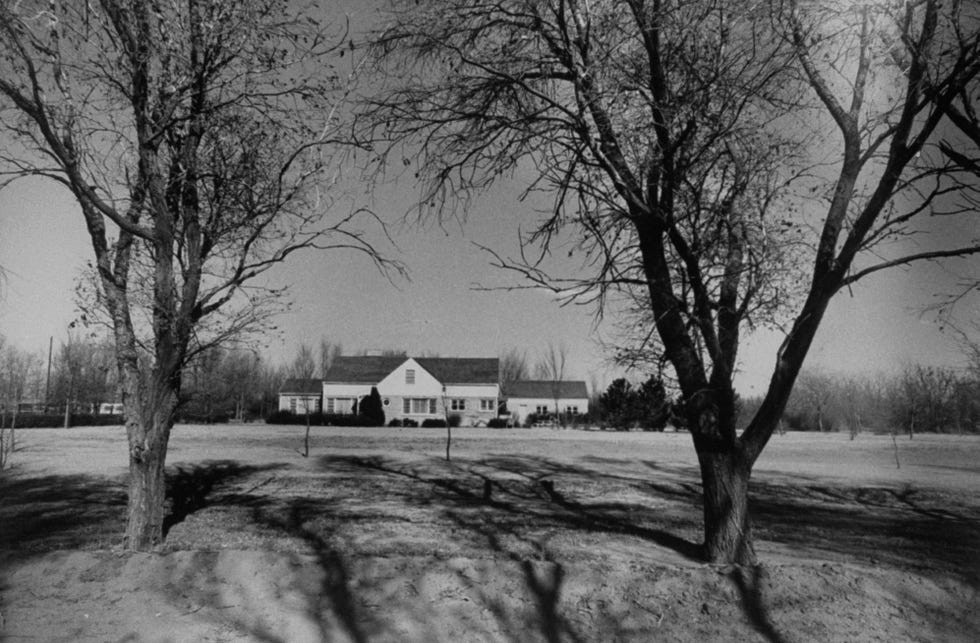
{"x":526,"y":535}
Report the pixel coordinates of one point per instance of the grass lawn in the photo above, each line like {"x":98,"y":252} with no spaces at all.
{"x":525,"y":535}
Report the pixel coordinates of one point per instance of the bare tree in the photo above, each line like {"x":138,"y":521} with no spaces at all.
{"x":18,"y":371}
{"x":926,"y":399}
{"x":550,"y":367}
{"x":303,"y":369}
{"x":195,"y":138}
{"x":513,"y":367}
{"x":328,"y":353}
{"x":685,"y":145}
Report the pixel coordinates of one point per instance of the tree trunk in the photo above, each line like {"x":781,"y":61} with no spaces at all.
{"x":306,"y":440}
{"x":725,"y":491}
{"x":147,"y":493}
{"x":149,"y":436}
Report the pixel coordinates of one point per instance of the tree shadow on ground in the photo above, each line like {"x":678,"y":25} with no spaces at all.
{"x":893,"y":527}
{"x":528,"y":492}
{"x":331,"y":606}
{"x":335,"y":597}
{"x":59,"y":512}
{"x":45,"y":513}
{"x":507,"y":506}
{"x":191,"y":488}
{"x":899,"y":526}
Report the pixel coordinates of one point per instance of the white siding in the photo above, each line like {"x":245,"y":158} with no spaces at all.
{"x":521,"y":407}
{"x":425,"y":385}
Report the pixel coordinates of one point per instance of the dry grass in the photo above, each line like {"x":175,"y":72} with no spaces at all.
{"x":525,"y":534}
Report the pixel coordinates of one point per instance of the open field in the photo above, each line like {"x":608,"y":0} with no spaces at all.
{"x":585,"y":536}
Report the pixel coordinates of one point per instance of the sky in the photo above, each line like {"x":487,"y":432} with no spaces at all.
{"x":877,"y":327}
{"x":339,"y":296}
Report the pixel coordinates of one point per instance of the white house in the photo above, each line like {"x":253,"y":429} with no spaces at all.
{"x":540,"y":397}
{"x":416,"y":388}
{"x":300,"y":396}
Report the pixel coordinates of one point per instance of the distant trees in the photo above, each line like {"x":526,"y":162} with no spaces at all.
{"x":20,"y":378}
{"x":645,"y":406}
{"x":550,"y":368}
{"x":329,"y":351}
{"x":935,"y":400}
{"x":223,"y":384}
{"x":919,"y":399}
{"x":513,"y":366}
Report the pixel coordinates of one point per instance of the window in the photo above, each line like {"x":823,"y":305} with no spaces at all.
{"x":410,"y":376}
{"x":573,"y":410}
{"x":339,"y":405}
{"x":486,"y":404}
{"x":457,"y":405}
{"x":292,"y":405}
{"x":541,"y":409}
{"x":419,"y":406}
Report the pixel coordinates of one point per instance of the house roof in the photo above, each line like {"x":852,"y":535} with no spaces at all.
{"x":545,"y":389}
{"x":300,"y":386}
{"x":361,"y":369}
{"x":462,"y":370}
{"x":370,"y":369}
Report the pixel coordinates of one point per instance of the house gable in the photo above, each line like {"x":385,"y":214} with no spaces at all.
{"x":409,"y":379}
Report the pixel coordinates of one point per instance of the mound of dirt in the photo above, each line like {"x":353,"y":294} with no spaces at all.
{"x":248,"y":595}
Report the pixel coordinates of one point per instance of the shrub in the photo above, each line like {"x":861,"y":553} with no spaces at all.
{"x":318,"y":419}
{"x":395,"y":422}
{"x":455,"y":419}
{"x":409,"y":422}
{"x":57,"y":420}
{"x":434,"y":423}
{"x":497,"y":423}
{"x":372,"y":410}
{"x":211,"y":418}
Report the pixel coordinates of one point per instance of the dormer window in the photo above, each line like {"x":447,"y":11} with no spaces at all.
{"x":410,"y":376}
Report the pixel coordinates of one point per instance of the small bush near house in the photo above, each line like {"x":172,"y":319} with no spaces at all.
{"x":317,"y":419}
{"x":409,"y":422}
{"x":497,"y":423}
{"x":538,"y":418}
{"x":434,"y":423}
{"x":455,"y":420}
{"x":396,"y":422}
{"x":211,"y":418}
{"x":371,"y":411}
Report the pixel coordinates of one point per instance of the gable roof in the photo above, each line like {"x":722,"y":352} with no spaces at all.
{"x":361,"y":369}
{"x":545,"y":389}
{"x":370,"y":369}
{"x":462,"y":370}
{"x":301,"y":386}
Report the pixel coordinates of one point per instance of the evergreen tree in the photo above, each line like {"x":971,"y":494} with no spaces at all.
{"x":371,"y":410}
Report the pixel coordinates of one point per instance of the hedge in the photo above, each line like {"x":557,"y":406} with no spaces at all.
{"x":318,"y":419}
{"x":57,"y":420}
